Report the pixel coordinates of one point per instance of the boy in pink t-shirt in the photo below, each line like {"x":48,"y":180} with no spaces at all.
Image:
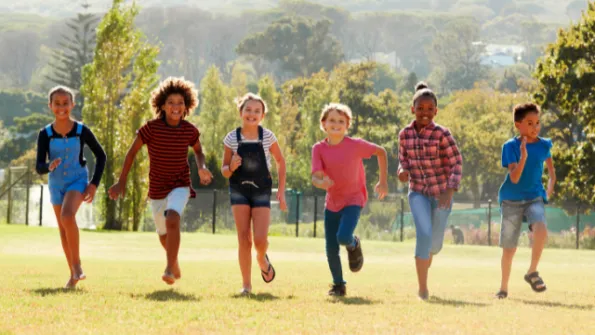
{"x":337,"y":167}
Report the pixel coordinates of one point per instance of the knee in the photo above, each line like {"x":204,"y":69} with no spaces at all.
{"x":436,"y":249}
{"x":244,"y":240}
{"x":539,"y":228}
{"x":261,"y":243}
{"x":508,"y":252}
{"x":172,"y":220}
{"x":344,"y":239}
{"x":67,"y":217}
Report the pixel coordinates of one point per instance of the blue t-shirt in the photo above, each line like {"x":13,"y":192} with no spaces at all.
{"x":530,"y":185}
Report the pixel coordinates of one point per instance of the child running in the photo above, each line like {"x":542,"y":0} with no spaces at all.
{"x":522,"y":195}
{"x":430,"y":160}
{"x":337,"y":167}
{"x":62,"y":143}
{"x":247,"y":164}
{"x":168,"y":137}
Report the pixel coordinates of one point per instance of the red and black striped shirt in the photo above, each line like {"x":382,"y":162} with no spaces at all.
{"x":168,"y":155}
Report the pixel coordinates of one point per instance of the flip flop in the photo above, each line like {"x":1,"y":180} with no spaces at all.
{"x":265,"y":274}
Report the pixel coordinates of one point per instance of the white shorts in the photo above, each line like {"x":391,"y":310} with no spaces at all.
{"x":176,"y":200}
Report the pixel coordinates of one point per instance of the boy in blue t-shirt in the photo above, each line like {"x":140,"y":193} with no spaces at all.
{"x":522,"y":195}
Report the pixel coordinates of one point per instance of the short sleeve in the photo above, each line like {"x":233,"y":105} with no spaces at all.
{"x":548,"y":145}
{"x":145,"y":133}
{"x":272,"y":137}
{"x":195,"y":136}
{"x":229,"y":140}
{"x":317,"y":159}
{"x":509,"y":155}
{"x":364,"y":148}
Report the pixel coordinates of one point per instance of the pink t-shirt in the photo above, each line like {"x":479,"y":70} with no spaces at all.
{"x":343,"y":164}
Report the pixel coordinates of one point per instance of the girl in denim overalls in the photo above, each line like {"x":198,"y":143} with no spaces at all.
{"x":62,"y":144}
{"x":246,"y":163}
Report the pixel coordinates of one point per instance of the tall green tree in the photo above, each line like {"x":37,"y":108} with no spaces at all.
{"x":566,"y":76}
{"x":116,"y":86}
{"x":75,"y":51}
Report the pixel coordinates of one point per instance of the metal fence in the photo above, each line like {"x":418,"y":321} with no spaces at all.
{"x":22,"y":202}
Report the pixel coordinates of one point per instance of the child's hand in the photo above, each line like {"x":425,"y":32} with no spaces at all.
{"x":117,"y":190}
{"x":281,"y":199}
{"x":89,"y":193}
{"x":382,"y":189}
{"x":205,"y":176}
{"x":550,"y":189}
{"x":326,"y":183}
{"x":524,"y":148}
{"x":236,"y":161}
{"x":445,"y":199}
{"x":54,"y":164}
{"x":403,"y":176}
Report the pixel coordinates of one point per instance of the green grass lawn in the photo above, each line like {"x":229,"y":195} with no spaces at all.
{"x":124,"y":294}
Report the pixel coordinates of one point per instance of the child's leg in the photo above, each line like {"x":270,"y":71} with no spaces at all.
{"x":172,"y":241}
{"x":331,"y":227}
{"x":348,"y":222}
{"x":64,"y":240}
{"x":421,"y":209}
{"x":512,"y":219}
{"x":242,"y":217}
{"x":261,"y":220}
{"x":176,"y":269}
{"x":535,"y":214}
{"x":71,"y":204}
{"x":439,"y":223}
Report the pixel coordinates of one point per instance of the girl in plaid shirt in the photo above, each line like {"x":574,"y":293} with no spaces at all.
{"x":431,"y":162}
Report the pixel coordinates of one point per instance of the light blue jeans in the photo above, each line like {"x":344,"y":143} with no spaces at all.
{"x":430,"y":224}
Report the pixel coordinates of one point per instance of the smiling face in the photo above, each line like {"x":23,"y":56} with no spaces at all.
{"x":61,"y":105}
{"x":336,"y":123}
{"x":252,"y":113}
{"x":174,"y":108}
{"x":425,"y":110}
{"x":529,"y":126}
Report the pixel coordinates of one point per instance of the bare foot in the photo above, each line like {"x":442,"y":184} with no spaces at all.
{"x":71,"y":284}
{"x":176,"y":271}
{"x":77,"y":273}
{"x":168,"y":277}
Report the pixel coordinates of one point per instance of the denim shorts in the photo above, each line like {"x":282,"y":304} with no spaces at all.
{"x":513,"y":215}
{"x":251,"y":195}
{"x":60,"y":186}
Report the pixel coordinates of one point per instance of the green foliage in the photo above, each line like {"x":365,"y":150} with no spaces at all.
{"x":116,"y":86}
{"x":14,"y":103}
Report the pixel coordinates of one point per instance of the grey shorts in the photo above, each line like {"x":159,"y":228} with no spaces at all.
{"x":513,"y":215}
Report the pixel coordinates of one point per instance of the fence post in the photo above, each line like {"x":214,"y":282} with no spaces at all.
{"x":402,"y":216}
{"x":490,"y":222}
{"x":297,"y":214}
{"x":315,"y":213}
{"x":41,"y":205}
{"x":214,"y":222}
{"x":9,"y":195}
{"x":28,"y":194}
{"x":578,"y":224}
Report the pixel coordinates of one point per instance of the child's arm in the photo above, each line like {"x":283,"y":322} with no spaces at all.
{"x":281,"y":169}
{"x":516,"y":169}
{"x":231,"y":162}
{"x":119,"y":188}
{"x":451,"y":157}
{"x":100,"y":159}
{"x":43,"y":144}
{"x":321,"y":181}
{"x":205,"y":175}
{"x":382,"y":186}
{"x":403,"y":170}
{"x":552,"y":174}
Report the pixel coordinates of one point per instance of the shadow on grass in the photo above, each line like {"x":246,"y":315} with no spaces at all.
{"x":170,"y":295}
{"x":555,"y":304}
{"x":354,"y":301}
{"x":454,"y":303}
{"x":257,"y":296}
{"x":55,"y":291}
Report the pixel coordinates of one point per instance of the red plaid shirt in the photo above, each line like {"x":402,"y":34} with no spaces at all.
{"x":432,"y":159}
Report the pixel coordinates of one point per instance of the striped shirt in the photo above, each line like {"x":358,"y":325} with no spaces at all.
{"x":168,"y":155}
{"x":432,"y":159}
{"x":268,"y":139}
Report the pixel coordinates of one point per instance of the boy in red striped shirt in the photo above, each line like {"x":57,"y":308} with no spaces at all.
{"x":168,"y":137}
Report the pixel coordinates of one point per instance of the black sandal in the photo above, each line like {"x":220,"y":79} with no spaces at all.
{"x":501,"y":295}
{"x":268,"y":271}
{"x":535,"y":281}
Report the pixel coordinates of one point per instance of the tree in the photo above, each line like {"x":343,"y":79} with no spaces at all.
{"x":19,"y":51}
{"x":566,"y":76}
{"x":75,"y":51}
{"x":456,"y":57}
{"x":21,"y":136}
{"x":481,"y":121}
{"x":116,"y":86}
{"x":301,"y":46}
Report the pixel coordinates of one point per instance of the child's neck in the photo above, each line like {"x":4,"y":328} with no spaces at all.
{"x":63,"y":125}
{"x":335,"y":139}
{"x":529,"y":140}
{"x":249,"y":131}
{"x":172,"y":123}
